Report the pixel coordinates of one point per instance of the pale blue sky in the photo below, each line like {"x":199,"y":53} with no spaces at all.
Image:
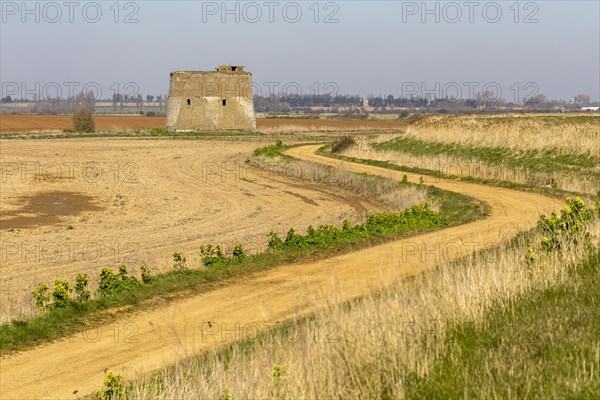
{"x":376,"y":47}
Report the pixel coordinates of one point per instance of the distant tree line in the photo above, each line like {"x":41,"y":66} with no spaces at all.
{"x":70,"y":104}
{"x":58,"y":105}
{"x":282,"y":103}
{"x":314,"y":104}
{"x":382,"y":104}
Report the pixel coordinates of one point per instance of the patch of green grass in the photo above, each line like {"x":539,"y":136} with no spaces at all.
{"x":543,"y":344}
{"x":542,"y":160}
{"x":271,"y":151}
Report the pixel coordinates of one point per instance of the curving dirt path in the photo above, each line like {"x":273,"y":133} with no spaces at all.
{"x":140,"y":343}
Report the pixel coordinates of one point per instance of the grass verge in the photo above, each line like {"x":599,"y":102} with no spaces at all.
{"x":541,"y":344}
{"x":557,"y":193}
{"x":544,"y":161}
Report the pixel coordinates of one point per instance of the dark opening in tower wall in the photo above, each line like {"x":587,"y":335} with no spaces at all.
{"x":224,"y":102}
{"x":189,"y":101}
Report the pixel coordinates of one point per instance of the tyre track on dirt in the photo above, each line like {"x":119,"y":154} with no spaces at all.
{"x":164,"y":335}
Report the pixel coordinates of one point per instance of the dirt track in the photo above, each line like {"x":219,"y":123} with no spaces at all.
{"x":143,"y":342}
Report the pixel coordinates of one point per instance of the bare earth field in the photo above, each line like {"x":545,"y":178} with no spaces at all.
{"x":78,"y":205}
{"x":29,"y":123}
{"x":140,"y":343}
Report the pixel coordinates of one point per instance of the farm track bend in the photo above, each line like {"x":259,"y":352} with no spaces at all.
{"x":143,"y":342}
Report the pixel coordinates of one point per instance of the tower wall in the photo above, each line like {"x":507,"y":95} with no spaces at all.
{"x":211,"y":100}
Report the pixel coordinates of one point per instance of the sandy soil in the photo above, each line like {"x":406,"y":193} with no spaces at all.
{"x":28,"y":123}
{"x":140,"y":343}
{"x":136,"y":201}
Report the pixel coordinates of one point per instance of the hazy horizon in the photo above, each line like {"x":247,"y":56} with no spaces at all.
{"x":347,"y":47}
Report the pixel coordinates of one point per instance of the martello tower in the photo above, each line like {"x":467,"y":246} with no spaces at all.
{"x":211,"y":100}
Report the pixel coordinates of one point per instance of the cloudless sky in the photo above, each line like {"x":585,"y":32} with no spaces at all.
{"x":368,"y":47}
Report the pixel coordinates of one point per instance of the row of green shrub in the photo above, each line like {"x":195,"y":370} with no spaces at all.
{"x":567,"y":226}
{"x":110,"y":282}
{"x":377,"y":225}
{"x":271,"y":150}
{"x":416,"y":218}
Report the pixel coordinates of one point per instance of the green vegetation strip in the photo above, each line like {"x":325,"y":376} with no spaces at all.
{"x":537,"y":346}
{"x":74,"y":315}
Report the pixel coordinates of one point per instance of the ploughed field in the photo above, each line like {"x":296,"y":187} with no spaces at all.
{"x":78,"y":205}
{"x":27,"y":123}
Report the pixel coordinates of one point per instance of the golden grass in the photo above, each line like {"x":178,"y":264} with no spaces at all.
{"x":462,"y":167}
{"x":512,"y":131}
{"x":384,"y":190}
{"x":369,"y":348}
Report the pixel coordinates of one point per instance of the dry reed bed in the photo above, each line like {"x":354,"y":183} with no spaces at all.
{"x":462,"y":167}
{"x":372,"y":346}
{"x":516,"y":132}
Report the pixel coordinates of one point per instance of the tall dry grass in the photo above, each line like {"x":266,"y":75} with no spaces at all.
{"x":385,"y":190}
{"x":377,"y":342}
{"x":462,"y":167}
{"x":512,"y":131}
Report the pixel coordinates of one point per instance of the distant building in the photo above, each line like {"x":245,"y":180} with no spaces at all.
{"x":211,"y":100}
{"x":590,"y":108}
